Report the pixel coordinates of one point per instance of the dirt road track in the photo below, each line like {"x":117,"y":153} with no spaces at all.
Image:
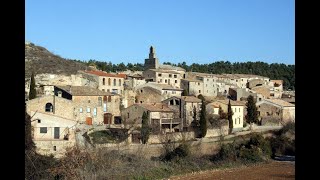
{"x":274,"y":170}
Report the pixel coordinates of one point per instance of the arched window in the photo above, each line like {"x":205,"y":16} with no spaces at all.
{"x":49,"y":107}
{"x":103,"y":81}
{"x":114,"y":82}
{"x":119,"y":82}
{"x":109,"y":82}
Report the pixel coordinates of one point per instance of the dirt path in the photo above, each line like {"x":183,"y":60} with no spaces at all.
{"x":273,"y":170}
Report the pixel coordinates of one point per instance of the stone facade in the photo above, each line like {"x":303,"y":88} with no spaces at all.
{"x":185,"y":106}
{"x":161,"y":118}
{"x":152,"y":62}
{"x":107,"y":82}
{"x":161,"y":76}
{"x":97,"y":108}
{"x":237,"y":109}
{"x":277,"y":108}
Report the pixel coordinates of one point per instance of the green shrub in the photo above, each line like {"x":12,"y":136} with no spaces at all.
{"x":183,"y":150}
{"x":253,"y":154}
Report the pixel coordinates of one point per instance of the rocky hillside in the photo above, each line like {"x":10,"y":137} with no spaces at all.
{"x":40,"y":60}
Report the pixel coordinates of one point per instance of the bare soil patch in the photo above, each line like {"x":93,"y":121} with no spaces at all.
{"x":271,"y":170}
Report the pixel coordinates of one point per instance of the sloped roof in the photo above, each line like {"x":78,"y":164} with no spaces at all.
{"x":170,"y":67}
{"x":156,"y":107}
{"x":83,"y":91}
{"x":280,"y":102}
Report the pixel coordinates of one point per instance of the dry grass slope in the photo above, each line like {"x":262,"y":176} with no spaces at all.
{"x":40,"y":60}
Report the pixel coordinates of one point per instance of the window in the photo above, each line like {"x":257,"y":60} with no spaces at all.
{"x":108,"y":90}
{"x":199,"y":91}
{"x":259,"y":99}
{"x":114,"y":82}
{"x":141,"y":91}
{"x":175,"y":81}
{"x":109,"y":98}
{"x":88,"y":109}
{"x":159,"y":74}
{"x":166,"y":92}
{"x":198,"y":84}
{"x":170,"y":75}
{"x":109,"y":82}
{"x":43,"y":129}
{"x":80,"y":110}
{"x":88,"y":101}
{"x":99,"y":101}
{"x":239,"y":121}
{"x":104,"y":107}
{"x":119,"y":82}
{"x":190,"y":113}
{"x":128,"y":115}
{"x":49,"y":107}
{"x":235,"y":109}
{"x":239,"y":109}
{"x":103,"y":90}
{"x":165,"y":81}
{"x":55,"y":148}
{"x":161,"y":80}
{"x":103,"y":81}
{"x":39,"y":121}
{"x":175,"y":76}
{"x":95,"y":111}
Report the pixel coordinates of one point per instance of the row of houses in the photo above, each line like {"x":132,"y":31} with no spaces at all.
{"x":168,"y":95}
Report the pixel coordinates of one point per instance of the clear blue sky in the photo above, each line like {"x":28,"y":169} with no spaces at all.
{"x":201,"y":31}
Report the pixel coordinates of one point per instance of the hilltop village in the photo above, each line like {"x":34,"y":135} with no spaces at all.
{"x":68,"y":109}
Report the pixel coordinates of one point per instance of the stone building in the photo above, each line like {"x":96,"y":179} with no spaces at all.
{"x":184,"y":106}
{"x":276,"y":108}
{"x":161,"y":118}
{"x":237,"y":109}
{"x":162,"y":74}
{"x":276,"y":88}
{"x":52,"y":134}
{"x":80,"y":103}
{"x":107,"y":82}
{"x":134,"y":81}
{"x":154,"y":92}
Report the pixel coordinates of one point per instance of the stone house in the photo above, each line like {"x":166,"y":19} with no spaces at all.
{"x":134,"y":81}
{"x":276,"y":108}
{"x":80,"y":103}
{"x":161,"y":118}
{"x":263,"y":92}
{"x":276,"y":88}
{"x":107,"y":82}
{"x":92,"y":104}
{"x":162,"y":76}
{"x":184,"y":106}
{"x":52,"y":134}
{"x":238,"y":109}
{"x":154,"y":92}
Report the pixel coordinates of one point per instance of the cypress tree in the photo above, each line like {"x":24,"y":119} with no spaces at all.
{"x":32,"y":92}
{"x":252,"y":113}
{"x":230,"y":113}
{"x":145,"y":129}
{"x":203,"y":120}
